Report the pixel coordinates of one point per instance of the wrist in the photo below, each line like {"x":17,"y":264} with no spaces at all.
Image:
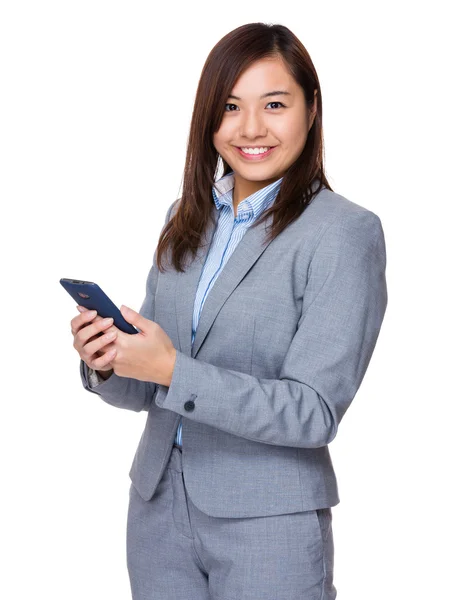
{"x":171,"y":369}
{"x":105,"y":374}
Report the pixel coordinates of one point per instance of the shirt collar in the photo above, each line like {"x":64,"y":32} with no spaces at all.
{"x":255,"y":204}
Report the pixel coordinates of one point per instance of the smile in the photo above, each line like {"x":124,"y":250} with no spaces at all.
{"x":261,"y":156}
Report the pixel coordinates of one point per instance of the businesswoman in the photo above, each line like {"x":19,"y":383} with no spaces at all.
{"x":263,"y":306}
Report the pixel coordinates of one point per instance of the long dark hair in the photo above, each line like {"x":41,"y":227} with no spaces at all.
{"x":234,"y":53}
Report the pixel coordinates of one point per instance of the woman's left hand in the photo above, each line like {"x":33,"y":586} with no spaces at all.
{"x":148,"y":355}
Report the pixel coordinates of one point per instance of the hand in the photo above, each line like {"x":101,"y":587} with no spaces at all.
{"x":148,"y":355}
{"x":91,"y":339}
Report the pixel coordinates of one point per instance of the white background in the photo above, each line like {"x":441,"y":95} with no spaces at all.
{"x":95,"y":105}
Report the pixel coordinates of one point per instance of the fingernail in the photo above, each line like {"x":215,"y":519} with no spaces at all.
{"x":108,"y":320}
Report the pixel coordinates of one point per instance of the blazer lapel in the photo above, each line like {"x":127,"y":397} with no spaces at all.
{"x":249,"y":249}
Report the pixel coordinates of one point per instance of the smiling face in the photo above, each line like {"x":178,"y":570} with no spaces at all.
{"x":266,"y":109}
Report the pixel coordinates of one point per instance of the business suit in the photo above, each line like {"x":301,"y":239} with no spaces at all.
{"x":284,"y":340}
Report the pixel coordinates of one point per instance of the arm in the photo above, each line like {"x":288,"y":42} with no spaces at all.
{"x":343,"y":309}
{"x":125,"y":392}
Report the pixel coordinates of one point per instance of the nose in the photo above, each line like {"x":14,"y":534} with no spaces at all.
{"x":252,"y":125}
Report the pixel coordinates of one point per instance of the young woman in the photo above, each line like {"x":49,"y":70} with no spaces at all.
{"x":251,"y":350}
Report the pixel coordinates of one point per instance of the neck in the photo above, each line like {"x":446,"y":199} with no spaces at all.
{"x":244,"y":188}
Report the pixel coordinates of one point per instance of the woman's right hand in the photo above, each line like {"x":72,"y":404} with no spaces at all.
{"x":92,"y":339}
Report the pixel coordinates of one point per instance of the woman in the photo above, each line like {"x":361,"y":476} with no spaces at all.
{"x":250,"y":353}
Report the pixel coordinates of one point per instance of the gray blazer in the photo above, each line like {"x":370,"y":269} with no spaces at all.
{"x":283,"y":343}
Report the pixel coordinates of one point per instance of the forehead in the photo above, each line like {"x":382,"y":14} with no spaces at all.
{"x":262,"y":76}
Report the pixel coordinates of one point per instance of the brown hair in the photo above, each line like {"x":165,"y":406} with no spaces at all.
{"x":234,"y":53}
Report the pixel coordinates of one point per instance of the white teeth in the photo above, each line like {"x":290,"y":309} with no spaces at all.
{"x":255,"y":150}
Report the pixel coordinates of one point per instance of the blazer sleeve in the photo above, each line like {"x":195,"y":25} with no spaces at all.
{"x":343,"y":308}
{"x":126,"y":392}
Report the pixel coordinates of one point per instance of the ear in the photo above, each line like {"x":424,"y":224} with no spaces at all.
{"x":313,"y":110}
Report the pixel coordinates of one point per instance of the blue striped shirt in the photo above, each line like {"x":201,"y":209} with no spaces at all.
{"x":229,"y":231}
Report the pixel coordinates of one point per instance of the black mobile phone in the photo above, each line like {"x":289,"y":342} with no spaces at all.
{"x":91,"y":296}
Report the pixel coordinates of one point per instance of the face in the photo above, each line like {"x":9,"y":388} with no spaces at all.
{"x":256,"y":117}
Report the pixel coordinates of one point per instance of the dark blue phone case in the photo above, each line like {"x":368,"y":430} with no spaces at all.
{"x":91,"y":296}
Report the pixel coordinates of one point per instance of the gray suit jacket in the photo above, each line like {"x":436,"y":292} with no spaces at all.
{"x":283,"y":342}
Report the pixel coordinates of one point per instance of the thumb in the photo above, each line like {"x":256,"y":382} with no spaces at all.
{"x":134,"y":318}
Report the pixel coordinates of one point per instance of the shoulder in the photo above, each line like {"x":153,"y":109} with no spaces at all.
{"x":335,"y":213}
{"x":332,"y":206}
{"x":334,"y":225}
{"x":172,"y":208}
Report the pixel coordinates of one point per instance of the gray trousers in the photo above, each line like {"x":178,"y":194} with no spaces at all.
{"x":177,"y":552}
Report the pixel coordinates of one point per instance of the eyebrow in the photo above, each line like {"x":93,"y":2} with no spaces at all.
{"x":274,"y":93}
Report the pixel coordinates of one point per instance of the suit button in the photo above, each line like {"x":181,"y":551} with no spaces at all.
{"x":189,"y":405}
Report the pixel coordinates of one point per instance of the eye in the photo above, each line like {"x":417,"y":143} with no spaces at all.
{"x":273,"y":102}
{"x":276,"y":102}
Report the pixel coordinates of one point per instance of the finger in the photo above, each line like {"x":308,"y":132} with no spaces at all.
{"x":90,"y":329}
{"x":83,"y":309}
{"x":100,"y":343}
{"x":81,"y":320}
{"x":103,"y":361}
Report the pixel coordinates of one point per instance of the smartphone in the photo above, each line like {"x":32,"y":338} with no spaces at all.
{"x":91,"y":296}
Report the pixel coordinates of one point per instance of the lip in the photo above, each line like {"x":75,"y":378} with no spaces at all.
{"x":255,"y":156}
